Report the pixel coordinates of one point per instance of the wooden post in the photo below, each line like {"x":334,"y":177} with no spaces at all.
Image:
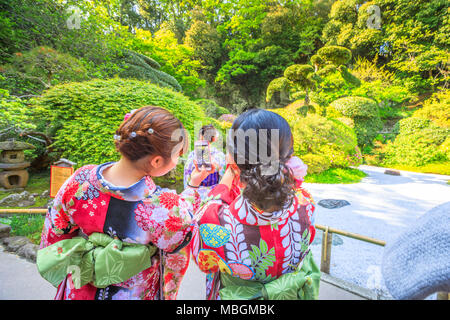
{"x":325,"y":260}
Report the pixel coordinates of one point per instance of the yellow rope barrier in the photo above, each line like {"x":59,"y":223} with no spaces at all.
{"x":23,"y":211}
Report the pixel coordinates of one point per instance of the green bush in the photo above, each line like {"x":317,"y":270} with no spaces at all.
{"x":316,"y":163}
{"x":419,"y":142}
{"x":437,"y":109}
{"x":211,"y":108}
{"x":83,"y":117}
{"x":363,"y":111}
{"x":40,"y":68}
{"x":327,"y":138}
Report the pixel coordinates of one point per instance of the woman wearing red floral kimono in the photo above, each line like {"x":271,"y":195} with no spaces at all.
{"x":258,"y":224}
{"x":121,"y":200}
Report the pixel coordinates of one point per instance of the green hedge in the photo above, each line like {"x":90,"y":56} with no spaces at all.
{"x":82,"y":117}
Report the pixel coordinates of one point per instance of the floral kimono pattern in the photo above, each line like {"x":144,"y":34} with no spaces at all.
{"x":142,"y":213}
{"x":237,"y":238}
{"x":213,"y":179}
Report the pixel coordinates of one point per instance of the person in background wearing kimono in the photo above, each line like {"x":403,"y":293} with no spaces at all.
{"x":259,"y":224}
{"x":208,"y":133}
{"x":113,"y":228}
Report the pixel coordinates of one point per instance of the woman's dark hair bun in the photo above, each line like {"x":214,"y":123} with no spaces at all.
{"x":269,"y":190}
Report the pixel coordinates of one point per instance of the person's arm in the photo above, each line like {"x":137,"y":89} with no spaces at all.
{"x":188,"y":168}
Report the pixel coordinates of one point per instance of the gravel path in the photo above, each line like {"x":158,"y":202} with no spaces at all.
{"x":382,"y":206}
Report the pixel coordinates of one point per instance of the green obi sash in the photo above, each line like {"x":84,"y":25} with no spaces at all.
{"x":100,"y":260}
{"x":302,"y":284}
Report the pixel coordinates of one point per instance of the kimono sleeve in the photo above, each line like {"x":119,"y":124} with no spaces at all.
{"x":58,"y":223}
{"x":171,"y":218}
{"x":206,"y":254}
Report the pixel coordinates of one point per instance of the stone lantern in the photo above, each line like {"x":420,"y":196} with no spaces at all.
{"x":13,"y":164}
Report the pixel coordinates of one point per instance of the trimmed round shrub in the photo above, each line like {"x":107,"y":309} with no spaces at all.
{"x":277,"y":85}
{"x":410,"y":125}
{"x":298,"y":72}
{"x":337,"y":55}
{"x":363,"y":112}
{"x":328,"y":69}
{"x":316,"y":163}
{"x":83,"y":117}
{"x":355,"y":107}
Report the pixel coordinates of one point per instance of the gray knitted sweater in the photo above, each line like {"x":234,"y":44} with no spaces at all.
{"x":417,"y":263}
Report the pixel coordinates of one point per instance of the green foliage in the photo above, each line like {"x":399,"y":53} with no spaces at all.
{"x":317,"y":61}
{"x":27,"y":225}
{"x":418,"y":143}
{"x":140,"y":67}
{"x":336,"y":175}
{"x":205,"y":41}
{"x":277,"y":85}
{"x":41,"y":68}
{"x":437,"y":109}
{"x":211,"y":108}
{"x":410,"y":35}
{"x":15,"y":113}
{"x":326,"y":142}
{"x":82,"y":117}
{"x":177,"y":60}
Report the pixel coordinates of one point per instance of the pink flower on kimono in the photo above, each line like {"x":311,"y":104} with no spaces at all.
{"x":175,"y":261}
{"x":170,"y":286}
{"x":142,"y":216}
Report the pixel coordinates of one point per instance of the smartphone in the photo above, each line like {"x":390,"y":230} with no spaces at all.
{"x":203,"y":154}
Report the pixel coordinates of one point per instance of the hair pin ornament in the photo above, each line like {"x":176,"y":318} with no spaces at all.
{"x":133,"y":134}
{"x":150,"y":130}
{"x":116,"y":137}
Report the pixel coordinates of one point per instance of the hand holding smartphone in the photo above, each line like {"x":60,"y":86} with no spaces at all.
{"x":203,"y":154}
